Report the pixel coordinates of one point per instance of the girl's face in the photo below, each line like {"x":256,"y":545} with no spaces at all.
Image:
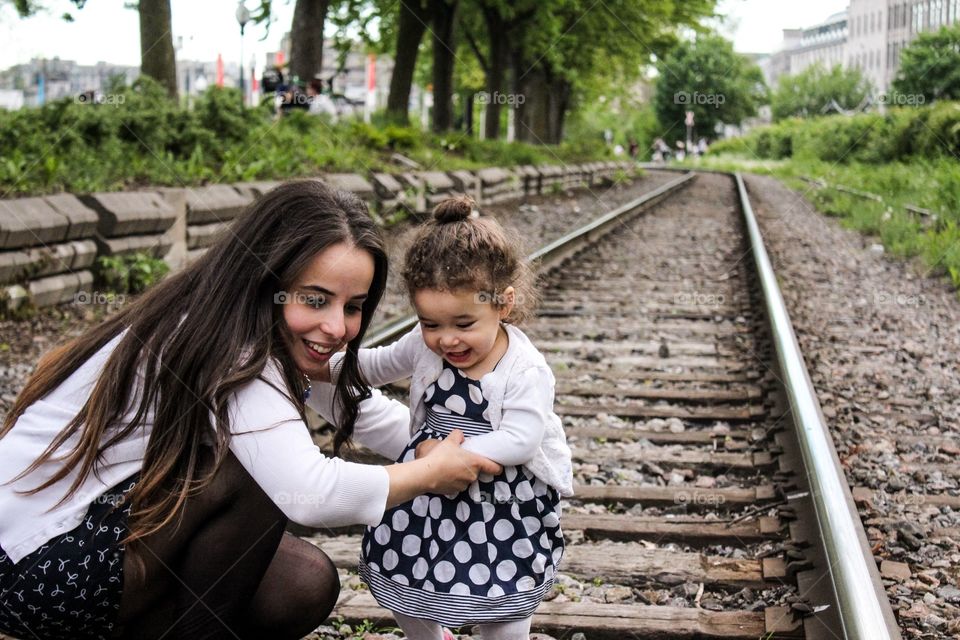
{"x":463,"y":327}
{"x":323,"y":308}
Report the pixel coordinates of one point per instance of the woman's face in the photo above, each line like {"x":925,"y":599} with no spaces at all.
{"x":323,"y":308}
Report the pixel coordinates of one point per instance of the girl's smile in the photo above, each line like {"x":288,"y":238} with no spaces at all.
{"x":463,"y":327}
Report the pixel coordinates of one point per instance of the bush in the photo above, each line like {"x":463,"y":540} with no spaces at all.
{"x":874,"y":138}
{"x":129,"y":273}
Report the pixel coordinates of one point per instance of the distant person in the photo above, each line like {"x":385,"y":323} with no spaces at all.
{"x":634,"y":148}
{"x":320,"y":102}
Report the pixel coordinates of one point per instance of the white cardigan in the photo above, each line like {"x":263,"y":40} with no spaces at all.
{"x":519,"y":393}
{"x":268,"y":438}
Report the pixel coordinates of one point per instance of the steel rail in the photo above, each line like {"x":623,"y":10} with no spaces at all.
{"x":863,"y":607}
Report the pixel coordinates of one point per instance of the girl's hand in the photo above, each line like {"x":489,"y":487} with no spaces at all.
{"x":425,"y":447}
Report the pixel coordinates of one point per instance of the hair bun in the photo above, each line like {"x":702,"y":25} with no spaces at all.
{"x":455,"y":210}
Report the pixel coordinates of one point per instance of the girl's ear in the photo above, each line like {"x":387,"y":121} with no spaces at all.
{"x":506,"y":301}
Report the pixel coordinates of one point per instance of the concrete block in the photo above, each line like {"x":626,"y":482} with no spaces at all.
{"x":53,"y":290}
{"x":414,"y":184}
{"x":436,"y":181}
{"x":351,"y":182}
{"x":214,"y":203}
{"x":84,"y":254}
{"x":465,"y":182}
{"x":176,"y":258}
{"x":37,"y":262}
{"x":203,"y":235}
{"x":156,"y":245}
{"x":386,"y":186}
{"x":28,"y":222}
{"x":492,"y":175}
{"x":125,"y":213}
{"x":13,"y":266}
{"x":256,"y":189}
{"x":82,"y":219}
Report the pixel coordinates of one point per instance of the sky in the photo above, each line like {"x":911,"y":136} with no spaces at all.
{"x":105,"y":31}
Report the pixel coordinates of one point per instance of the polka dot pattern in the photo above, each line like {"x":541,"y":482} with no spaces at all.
{"x":498,"y":539}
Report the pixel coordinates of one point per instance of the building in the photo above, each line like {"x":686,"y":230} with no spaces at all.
{"x":868,"y":35}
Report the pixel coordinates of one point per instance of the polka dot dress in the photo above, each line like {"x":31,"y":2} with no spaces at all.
{"x":487,"y":554}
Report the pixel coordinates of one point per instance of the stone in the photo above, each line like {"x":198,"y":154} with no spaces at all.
{"x":895,"y":570}
{"x":28,"y":222}
{"x":127,"y":213}
{"x":82,"y":219}
{"x":215,"y":203}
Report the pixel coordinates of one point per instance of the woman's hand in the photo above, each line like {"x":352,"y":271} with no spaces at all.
{"x":446,"y":469}
{"x":425,"y":447}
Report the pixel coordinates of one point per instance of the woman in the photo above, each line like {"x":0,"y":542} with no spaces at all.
{"x":149,"y":467}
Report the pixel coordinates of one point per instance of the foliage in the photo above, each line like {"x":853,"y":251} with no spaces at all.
{"x":897,"y":135}
{"x":815,"y":90}
{"x":144,"y":138}
{"x":707,"y":77}
{"x":129,"y":273}
{"x":929,"y":183}
{"x":930,"y":66}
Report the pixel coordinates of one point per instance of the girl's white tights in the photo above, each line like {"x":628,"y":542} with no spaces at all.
{"x":419,"y":629}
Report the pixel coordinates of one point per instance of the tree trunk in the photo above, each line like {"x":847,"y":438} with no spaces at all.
{"x":560,"y":91}
{"x":157,"y":58}
{"x":410,"y":27}
{"x":306,"y":39}
{"x":444,"y":48}
{"x":535,"y":124}
{"x":519,"y":88}
{"x":497,"y":31}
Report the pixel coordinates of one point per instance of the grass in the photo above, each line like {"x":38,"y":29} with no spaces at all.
{"x":932,"y":184}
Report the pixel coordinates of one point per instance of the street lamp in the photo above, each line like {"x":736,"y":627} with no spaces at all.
{"x":243,"y":17}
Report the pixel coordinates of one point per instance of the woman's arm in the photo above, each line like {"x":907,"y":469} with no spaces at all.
{"x":448,"y":468}
{"x":382,"y":426}
{"x":383,"y":365}
{"x":527,"y":404}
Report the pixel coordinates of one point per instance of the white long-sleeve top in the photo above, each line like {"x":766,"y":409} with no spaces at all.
{"x":519,"y":393}
{"x":268,"y":438}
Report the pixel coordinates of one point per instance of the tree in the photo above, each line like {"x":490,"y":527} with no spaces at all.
{"x":306,"y":38}
{"x":708,"y":77}
{"x":157,"y":58}
{"x":930,"y":66}
{"x":816,"y":90}
{"x":571,"y":42}
{"x":444,"y":57}
{"x":411,"y":23}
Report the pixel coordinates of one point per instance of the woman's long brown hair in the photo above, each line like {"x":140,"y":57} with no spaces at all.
{"x":198,"y":337}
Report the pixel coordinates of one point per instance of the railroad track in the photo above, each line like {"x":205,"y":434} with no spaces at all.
{"x":710,"y":502}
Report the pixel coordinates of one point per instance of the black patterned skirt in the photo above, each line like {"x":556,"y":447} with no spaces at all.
{"x":70,"y":587}
{"x":488,"y":554}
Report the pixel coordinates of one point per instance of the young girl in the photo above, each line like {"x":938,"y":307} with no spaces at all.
{"x":186,"y":411}
{"x":487,"y":555}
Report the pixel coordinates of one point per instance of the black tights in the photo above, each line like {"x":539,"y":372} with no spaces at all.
{"x":227,"y":570}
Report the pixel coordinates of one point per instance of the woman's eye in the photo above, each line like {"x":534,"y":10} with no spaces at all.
{"x":315,"y":300}
{"x":465,"y":325}
{"x":354,"y":309}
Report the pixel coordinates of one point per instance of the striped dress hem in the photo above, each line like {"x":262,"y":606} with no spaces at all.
{"x":449,"y":609}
